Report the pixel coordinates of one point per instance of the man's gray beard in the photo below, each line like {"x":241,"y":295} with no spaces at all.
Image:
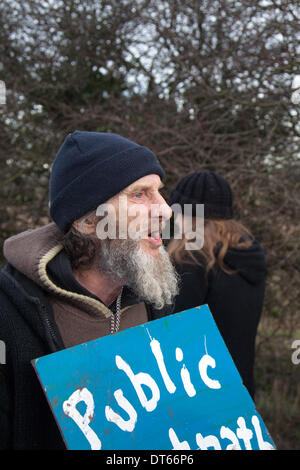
{"x":153,"y":279}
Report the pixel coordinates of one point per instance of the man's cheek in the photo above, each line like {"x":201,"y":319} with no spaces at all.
{"x":137,"y":221}
{"x":138,"y":228}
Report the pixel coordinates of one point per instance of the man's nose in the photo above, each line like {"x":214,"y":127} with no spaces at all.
{"x":166,"y":211}
{"x":161,"y":209}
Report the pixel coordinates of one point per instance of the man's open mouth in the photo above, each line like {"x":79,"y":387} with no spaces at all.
{"x":155,"y":238}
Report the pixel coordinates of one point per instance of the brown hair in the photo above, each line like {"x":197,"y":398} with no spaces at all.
{"x":80,"y":247}
{"x":219,"y":235}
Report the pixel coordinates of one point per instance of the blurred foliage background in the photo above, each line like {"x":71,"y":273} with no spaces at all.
{"x":206,"y":84}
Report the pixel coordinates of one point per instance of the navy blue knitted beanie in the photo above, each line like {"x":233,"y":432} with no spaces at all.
{"x":208,"y":188}
{"x":90,"y":168}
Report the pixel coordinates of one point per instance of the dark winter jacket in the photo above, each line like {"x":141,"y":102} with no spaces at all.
{"x":29,"y":330}
{"x":235,"y":300}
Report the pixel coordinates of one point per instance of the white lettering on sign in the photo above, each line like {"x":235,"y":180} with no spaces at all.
{"x":185,"y":375}
{"x":177,"y":445}
{"x":263,"y":445}
{"x":128,"y":425}
{"x":155,"y":347}
{"x":212,"y":442}
{"x":69,"y":407}
{"x":142,"y":379}
{"x":243,"y":433}
{"x":208,"y":442}
{"x":205,"y":362}
{"x":226,"y":433}
{"x":137,"y":381}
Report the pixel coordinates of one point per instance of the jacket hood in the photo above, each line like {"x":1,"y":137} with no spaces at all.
{"x":31,"y":252}
{"x":248,"y":262}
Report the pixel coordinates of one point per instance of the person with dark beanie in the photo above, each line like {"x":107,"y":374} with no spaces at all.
{"x":64,"y":284}
{"x":227,"y":273}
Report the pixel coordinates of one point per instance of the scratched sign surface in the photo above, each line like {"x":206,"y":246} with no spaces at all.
{"x":167,"y":384}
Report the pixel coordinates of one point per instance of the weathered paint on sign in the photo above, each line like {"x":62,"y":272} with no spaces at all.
{"x":167,"y":384}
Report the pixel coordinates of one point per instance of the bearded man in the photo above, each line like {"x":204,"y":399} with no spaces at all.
{"x":70,"y":281}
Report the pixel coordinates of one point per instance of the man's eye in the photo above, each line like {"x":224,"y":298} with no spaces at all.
{"x":138,"y":195}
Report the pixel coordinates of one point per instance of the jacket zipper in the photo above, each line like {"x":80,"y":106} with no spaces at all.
{"x":49,"y":327}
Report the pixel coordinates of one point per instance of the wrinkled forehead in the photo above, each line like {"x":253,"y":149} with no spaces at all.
{"x":148,"y":182}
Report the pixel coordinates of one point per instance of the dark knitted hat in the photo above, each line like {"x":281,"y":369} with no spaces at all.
{"x":90,"y":168}
{"x":208,"y":188}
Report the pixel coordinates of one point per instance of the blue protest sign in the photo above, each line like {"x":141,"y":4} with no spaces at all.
{"x":166,"y":384}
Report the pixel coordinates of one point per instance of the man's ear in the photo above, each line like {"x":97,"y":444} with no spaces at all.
{"x":86,"y":225}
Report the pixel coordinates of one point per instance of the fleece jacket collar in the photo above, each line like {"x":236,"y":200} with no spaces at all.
{"x":30,"y":253}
